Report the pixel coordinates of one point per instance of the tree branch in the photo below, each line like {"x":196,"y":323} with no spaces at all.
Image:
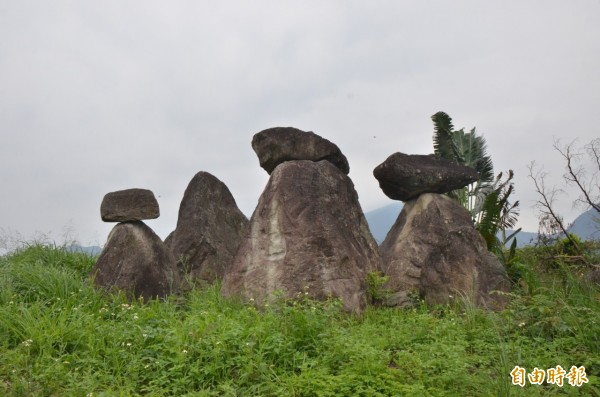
{"x":576,"y":175}
{"x":546,"y":202}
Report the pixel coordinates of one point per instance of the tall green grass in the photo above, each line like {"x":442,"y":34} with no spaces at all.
{"x":61,"y":337}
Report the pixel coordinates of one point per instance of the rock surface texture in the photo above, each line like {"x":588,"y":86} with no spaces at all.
{"x":434,"y":251}
{"x":209,"y":228}
{"x":404,"y":177}
{"x":136,"y":261}
{"x":308,"y":235}
{"x":129,"y":205}
{"x":280,"y":144}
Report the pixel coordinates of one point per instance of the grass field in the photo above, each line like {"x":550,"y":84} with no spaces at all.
{"x":60,"y":337}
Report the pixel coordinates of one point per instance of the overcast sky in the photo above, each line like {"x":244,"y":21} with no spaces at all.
{"x":98,"y":96}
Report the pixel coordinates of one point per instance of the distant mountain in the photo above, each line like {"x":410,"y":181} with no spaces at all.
{"x":587,"y":225}
{"x":382,"y":219}
{"x":93,"y":251}
{"x":523,"y":238}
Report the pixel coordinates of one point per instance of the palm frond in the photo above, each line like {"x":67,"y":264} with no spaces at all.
{"x":443,"y":142}
{"x":489,"y":218}
{"x":488,"y":198}
{"x":483,"y":162}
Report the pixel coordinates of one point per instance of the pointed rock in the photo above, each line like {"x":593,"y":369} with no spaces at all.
{"x":209,"y":228}
{"x":434,"y":251}
{"x":136,"y":261}
{"x":307,"y":234}
{"x":129,"y":205}
{"x":404,"y":177}
{"x":274,"y":146}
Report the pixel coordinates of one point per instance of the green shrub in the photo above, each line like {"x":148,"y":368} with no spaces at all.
{"x":376,"y":290}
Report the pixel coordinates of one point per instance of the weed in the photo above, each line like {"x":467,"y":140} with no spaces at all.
{"x":376,"y":290}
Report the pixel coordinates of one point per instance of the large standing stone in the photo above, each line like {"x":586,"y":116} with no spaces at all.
{"x":135,"y":260}
{"x":209,"y":228}
{"x":307,"y":234}
{"x":274,"y":146}
{"x":404,"y":177}
{"x":433,"y":250}
{"x":129,"y":205}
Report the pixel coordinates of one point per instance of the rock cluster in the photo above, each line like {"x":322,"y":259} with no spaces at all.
{"x":433,"y":250}
{"x":134,"y":259}
{"x":308,"y":235}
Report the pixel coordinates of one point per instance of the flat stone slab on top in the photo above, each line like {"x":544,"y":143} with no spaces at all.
{"x":405,"y":177}
{"x":277,"y":145}
{"x":129,"y":205}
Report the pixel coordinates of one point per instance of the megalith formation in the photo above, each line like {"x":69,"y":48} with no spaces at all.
{"x":433,"y":251}
{"x":308,"y":235}
{"x":134,"y":259}
{"x":209,"y":229}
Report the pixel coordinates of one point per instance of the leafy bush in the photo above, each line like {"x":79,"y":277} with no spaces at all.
{"x":376,"y":290}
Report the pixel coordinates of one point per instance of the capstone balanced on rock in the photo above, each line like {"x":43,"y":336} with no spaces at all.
{"x":274,"y":146}
{"x":209,"y":228}
{"x":404,"y":177}
{"x":136,"y":261}
{"x":129,"y":205}
{"x":307,"y":235}
{"x":434,"y":251}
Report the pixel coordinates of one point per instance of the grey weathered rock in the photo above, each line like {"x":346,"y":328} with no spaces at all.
{"x":434,"y":251}
{"x":129,"y":205}
{"x":404,"y":177}
{"x":209,"y":228}
{"x":274,"y":146}
{"x":136,"y":261}
{"x":307,"y":234}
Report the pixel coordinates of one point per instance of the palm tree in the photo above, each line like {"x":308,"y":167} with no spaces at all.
{"x":487,"y":198}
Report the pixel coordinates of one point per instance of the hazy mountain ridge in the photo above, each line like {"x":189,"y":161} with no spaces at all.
{"x":92,"y":250}
{"x":586,"y":225}
{"x":381,"y":220}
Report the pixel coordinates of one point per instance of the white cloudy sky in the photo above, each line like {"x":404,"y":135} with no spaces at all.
{"x":97,"y":96}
